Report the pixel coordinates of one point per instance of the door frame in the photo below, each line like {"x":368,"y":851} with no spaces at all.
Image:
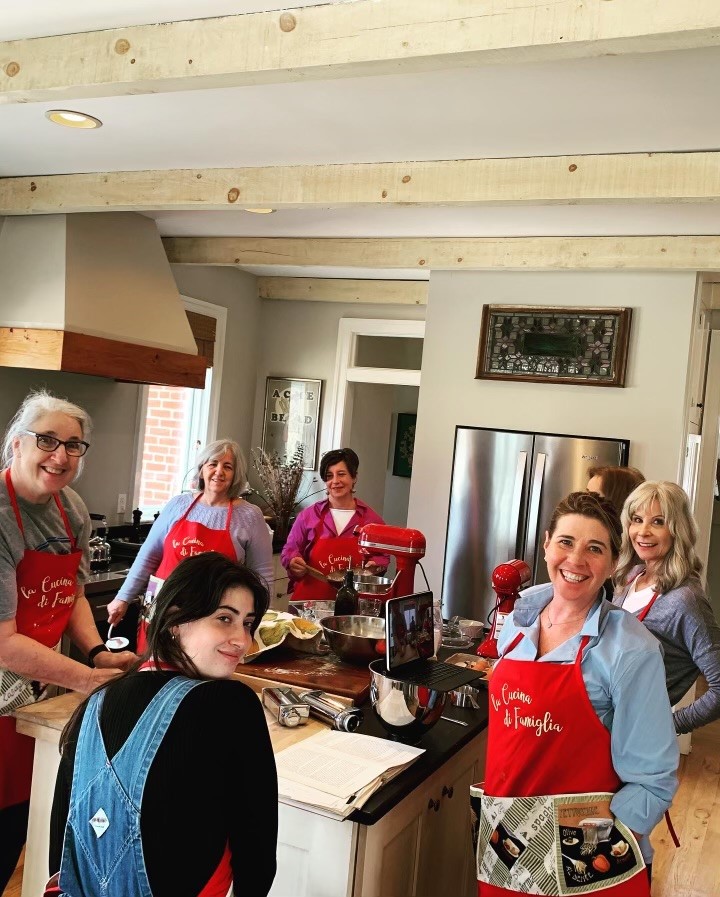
{"x":347,"y":372}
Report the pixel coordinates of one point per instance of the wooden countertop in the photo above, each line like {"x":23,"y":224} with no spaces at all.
{"x":46,"y":719}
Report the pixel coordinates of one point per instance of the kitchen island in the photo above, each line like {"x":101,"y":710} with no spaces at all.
{"x":411,"y":838}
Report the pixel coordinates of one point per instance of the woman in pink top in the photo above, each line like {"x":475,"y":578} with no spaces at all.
{"x":323,"y":534}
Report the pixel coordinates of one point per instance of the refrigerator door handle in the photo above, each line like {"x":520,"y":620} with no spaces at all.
{"x":515,"y":539}
{"x":534,"y":511}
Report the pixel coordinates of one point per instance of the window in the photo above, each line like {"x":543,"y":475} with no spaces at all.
{"x":176,"y":421}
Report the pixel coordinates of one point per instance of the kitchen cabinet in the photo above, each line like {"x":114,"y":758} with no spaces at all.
{"x":423,"y":848}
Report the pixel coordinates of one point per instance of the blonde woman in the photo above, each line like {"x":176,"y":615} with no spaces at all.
{"x":658,"y":579}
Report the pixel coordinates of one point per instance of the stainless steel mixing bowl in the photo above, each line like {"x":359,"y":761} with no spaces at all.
{"x":406,"y":711}
{"x":355,"y":638}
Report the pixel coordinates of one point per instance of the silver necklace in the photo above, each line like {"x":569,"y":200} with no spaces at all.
{"x":550,"y":623}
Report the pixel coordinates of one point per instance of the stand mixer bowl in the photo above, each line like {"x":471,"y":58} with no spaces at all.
{"x":404,"y":710}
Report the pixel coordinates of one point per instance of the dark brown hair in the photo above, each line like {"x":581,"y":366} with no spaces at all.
{"x":617,"y":482}
{"x":335,"y":456}
{"x":192,"y":591}
{"x":590,"y":504}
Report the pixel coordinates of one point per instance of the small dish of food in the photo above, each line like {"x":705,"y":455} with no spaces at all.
{"x":570,"y":842}
{"x":511,"y":847}
{"x":619,"y":849}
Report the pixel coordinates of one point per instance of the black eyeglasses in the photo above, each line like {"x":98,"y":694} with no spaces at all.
{"x":73,"y":447}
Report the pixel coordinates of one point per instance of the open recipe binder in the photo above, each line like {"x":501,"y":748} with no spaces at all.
{"x":336,"y":772}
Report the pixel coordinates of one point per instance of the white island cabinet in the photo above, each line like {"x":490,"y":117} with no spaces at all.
{"x":418,"y":847}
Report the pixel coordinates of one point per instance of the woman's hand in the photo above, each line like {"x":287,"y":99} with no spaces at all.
{"x":98,"y":677}
{"x":298,"y":568}
{"x":116,"y":611}
{"x":114,"y":660}
{"x":374,"y":568}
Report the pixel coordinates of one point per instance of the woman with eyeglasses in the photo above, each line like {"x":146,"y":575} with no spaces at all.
{"x":44,"y":532}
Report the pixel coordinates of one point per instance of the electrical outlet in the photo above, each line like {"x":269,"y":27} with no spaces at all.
{"x":122,"y":503}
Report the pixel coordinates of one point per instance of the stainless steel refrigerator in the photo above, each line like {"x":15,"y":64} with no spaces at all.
{"x":505,"y":486}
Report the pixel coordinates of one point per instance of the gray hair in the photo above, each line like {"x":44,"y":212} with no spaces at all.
{"x":681,"y":562}
{"x":34,"y":406}
{"x":215,"y":450}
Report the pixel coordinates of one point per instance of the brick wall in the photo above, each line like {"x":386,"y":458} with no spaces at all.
{"x":164,"y":446}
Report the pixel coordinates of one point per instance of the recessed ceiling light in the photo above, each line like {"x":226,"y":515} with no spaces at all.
{"x":260,"y":211}
{"x":72,"y":119}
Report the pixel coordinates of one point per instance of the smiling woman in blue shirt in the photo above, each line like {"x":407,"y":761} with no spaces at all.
{"x":597,"y":674}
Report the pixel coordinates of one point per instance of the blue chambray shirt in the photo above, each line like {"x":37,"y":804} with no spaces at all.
{"x":624,"y":675}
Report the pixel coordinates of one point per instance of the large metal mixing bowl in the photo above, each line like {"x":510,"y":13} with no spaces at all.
{"x":406,"y":711}
{"x":355,"y":638}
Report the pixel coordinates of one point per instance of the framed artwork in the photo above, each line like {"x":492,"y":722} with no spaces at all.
{"x":292,"y":415}
{"x":586,"y":346}
{"x":404,"y":445}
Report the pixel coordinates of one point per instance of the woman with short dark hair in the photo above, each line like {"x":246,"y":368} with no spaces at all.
{"x":167,"y":781}
{"x":323,"y":534}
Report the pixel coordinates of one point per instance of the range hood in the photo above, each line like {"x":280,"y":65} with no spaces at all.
{"x":93,"y":294}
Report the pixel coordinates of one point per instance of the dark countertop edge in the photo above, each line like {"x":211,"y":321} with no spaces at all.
{"x":441,"y":743}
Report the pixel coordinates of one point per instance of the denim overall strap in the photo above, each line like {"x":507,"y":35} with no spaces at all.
{"x":102,"y":851}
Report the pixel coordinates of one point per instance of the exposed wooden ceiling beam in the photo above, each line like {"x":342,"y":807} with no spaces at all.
{"x":339,"y":40}
{"x":629,"y":178}
{"x":451,"y":253}
{"x":319,"y":289}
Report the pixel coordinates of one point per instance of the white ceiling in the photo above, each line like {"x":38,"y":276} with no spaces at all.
{"x":653,"y":102}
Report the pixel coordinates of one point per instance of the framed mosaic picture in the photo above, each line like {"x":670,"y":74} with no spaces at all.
{"x":586,"y":346}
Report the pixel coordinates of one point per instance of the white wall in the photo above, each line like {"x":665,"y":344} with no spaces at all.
{"x":237,"y":292}
{"x":649,"y":411}
{"x":299,"y":339}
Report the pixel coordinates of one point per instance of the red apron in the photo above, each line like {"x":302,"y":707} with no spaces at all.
{"x":327,"y":555}
{"x":46,"y":587}
{"x":185,"y":539}
{"x":567,"y":752}
{"x":645,"y":610}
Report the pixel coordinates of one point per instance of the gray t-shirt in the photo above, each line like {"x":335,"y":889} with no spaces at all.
{"x":44,"y":531}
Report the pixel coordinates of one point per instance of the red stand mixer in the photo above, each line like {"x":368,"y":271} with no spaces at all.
{"x":507,"y":580}
{"x":407,"y":546}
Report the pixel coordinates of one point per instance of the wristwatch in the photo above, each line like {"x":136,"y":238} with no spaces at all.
{"x":93,"y":653}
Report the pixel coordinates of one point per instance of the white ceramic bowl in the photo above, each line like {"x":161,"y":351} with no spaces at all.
{"x":471,"y":628}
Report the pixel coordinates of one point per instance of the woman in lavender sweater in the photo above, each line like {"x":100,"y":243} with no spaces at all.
{"x":214,"y":518}
{"x":658,"y":579}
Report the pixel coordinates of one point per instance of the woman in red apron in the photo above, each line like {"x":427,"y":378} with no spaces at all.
{"x":216,"y":519}
{"x":154,"y":750}
{"x":581,"y":750}
{"x":322,"y":536}
{"x":658,"y":580}
{"x":44,"y":531}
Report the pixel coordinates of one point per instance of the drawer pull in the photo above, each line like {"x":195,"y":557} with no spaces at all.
{"x":433,"y":805}
{"x":448,"y":792}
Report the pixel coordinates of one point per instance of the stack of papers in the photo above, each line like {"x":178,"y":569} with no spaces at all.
{"x":336,"y":772}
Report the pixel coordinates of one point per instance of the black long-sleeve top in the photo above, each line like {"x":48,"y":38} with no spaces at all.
{"x":213,"y":780}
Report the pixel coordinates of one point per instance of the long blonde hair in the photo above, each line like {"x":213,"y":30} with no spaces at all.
{"x":681,"y":562}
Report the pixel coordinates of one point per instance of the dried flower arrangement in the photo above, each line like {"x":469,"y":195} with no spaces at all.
{"x":281,"y":479}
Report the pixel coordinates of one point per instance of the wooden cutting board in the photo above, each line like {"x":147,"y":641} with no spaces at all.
{"x":326,"y":672}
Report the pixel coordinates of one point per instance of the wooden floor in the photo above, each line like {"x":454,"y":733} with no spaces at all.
{"x":693,"y":869}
